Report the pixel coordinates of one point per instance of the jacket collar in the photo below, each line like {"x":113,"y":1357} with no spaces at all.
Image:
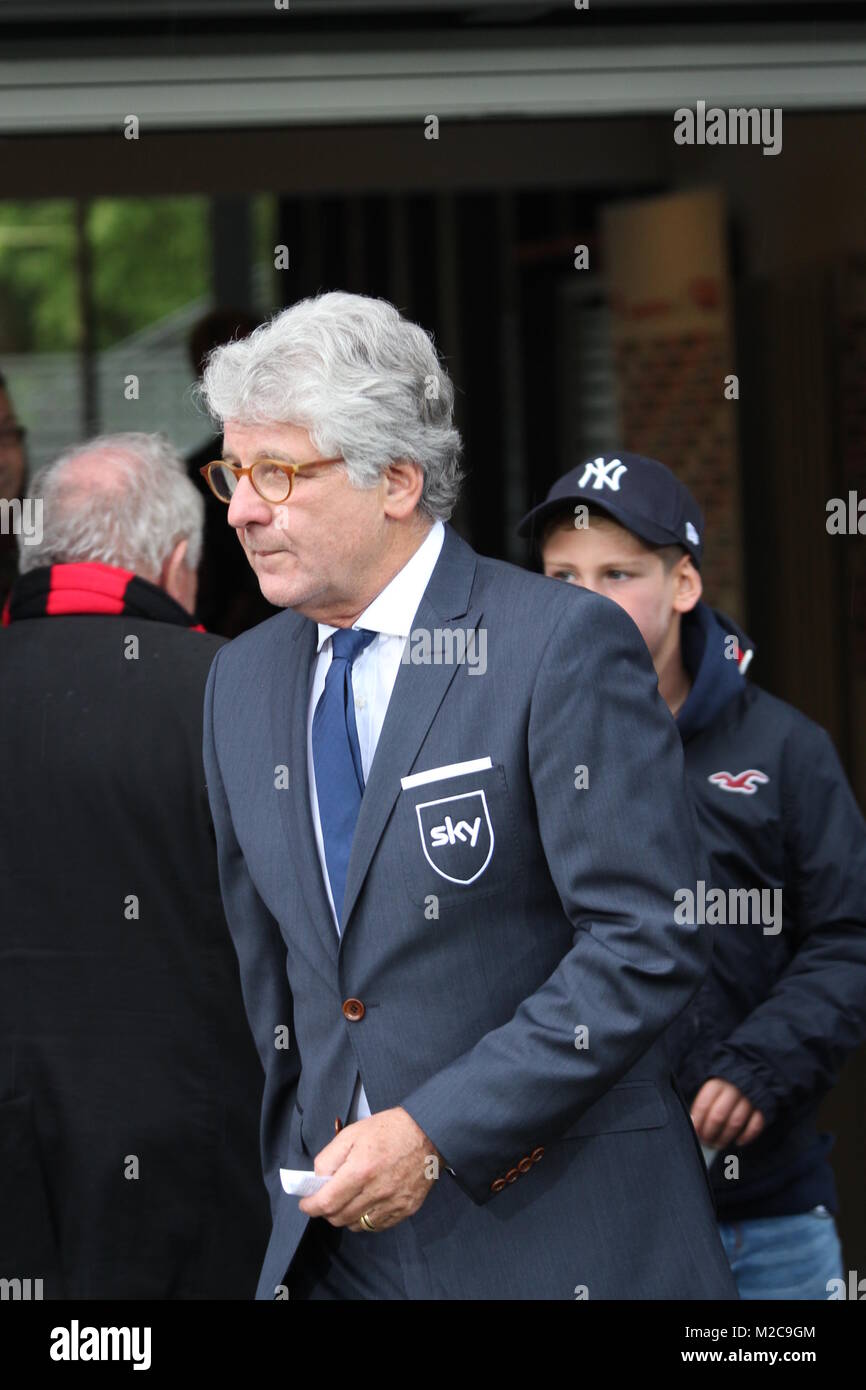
{"x":716,"y":654}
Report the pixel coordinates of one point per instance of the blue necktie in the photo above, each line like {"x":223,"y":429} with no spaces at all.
{"x":337,"y":759}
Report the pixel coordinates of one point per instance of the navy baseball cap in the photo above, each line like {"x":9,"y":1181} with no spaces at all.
{"x":640,"y":493}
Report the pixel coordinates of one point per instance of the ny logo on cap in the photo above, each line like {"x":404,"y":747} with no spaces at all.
{"x":603,"y":474}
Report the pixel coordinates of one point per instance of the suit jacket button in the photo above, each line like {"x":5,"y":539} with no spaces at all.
{"x":353,"y":1009}
{"x":512,"y":1175}
{"x":524,"y":1165}
{"x":536,"y":1154}
{"x":498,"y":1185}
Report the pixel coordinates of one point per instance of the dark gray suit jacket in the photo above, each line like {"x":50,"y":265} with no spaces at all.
{"x":576,"y":1169}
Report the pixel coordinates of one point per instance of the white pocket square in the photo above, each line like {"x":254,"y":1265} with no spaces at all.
{"x":438,"y":774}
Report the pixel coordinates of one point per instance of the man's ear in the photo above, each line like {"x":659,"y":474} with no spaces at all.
{"x":403,"y":483}
{"x":687,"y":585}
{"x":176,"y":579}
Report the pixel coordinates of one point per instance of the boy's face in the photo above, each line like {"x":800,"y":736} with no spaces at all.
{"x":611,"y":561}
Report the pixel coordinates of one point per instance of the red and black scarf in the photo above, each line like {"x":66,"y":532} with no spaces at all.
{"x":92,"y":588}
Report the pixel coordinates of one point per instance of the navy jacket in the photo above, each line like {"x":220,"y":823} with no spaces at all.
{"x":781,"y":1010}
{"x":515,"y":993}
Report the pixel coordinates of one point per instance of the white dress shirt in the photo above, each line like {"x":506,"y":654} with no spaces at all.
{"x":374,"y":672}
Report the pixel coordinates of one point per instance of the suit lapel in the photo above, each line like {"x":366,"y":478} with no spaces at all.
{"x":289,"y":702}
{"x":418,"y":692}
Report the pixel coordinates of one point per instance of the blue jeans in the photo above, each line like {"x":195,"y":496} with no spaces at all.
{"x":786,"y":1257}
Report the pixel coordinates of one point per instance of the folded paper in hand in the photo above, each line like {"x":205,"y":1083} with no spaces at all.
{"x":299,"y":1183}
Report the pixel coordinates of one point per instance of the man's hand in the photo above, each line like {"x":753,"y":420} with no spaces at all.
{"x":720,"y":1112}
{"x":382,"y":1167}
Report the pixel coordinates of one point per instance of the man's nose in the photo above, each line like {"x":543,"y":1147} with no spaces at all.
{"x":247,"y":506}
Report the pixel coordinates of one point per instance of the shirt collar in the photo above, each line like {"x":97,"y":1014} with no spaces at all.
{"x":393,"y":609}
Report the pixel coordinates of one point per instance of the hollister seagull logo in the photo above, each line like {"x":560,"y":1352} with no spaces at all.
{"x":456,"y":836}
{"x":603,"y":474}
{"x":745,"y":782}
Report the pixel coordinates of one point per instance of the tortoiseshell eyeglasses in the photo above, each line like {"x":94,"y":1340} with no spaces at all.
{"x":271,"y":478}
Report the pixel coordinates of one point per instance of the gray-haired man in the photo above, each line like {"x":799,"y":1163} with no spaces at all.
{"x":455,"y":952}
{"x":129,"y":1084}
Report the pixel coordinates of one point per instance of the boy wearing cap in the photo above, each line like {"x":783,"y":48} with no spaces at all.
{"x":784,"y":1003}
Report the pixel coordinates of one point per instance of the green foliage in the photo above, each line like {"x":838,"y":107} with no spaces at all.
{"x":38,"y":290}
{"x":149,"y":257}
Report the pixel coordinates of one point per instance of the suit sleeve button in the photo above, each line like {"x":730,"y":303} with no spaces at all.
{"x":537,"y":1154}
{"x":498,"y":1185}
{"x":512,"y":1175}
{"x":524,"y":1165}
{"x":353,"y":1009}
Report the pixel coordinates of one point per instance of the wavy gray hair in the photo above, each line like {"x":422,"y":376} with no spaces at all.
{"x":122,"y":499}
{"x":365,"y":383}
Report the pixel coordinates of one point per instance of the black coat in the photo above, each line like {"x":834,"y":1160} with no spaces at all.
{"x":122,"y":1037}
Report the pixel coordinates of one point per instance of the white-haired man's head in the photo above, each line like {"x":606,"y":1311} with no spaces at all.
{"x":345,"y":377}
{"x":125,"y":500}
